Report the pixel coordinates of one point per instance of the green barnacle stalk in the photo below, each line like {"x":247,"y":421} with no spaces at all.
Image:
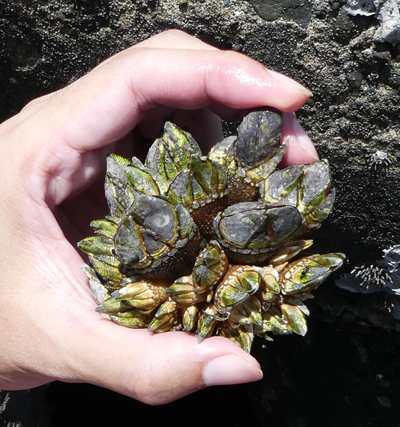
{"x":307,"y":273}
{"x":307,"y":187}
{"x":209,"y":319}
{"x":284,"y":319}
{"x":239,"y":283}
{"x":97,"y":245}
{"x":247,"y":313}
{"x":144,"y":180}
{"x":172,"y":152}
{"x":113,"y":306}
{"x":135,"y":319}
{"x":156,"y":238}
{"x":210,"y":267}
{"x":251,"y":157}
{"x":100,"y":250}
{"x":269,"y":288}
{"x":273,"y":321}
{"x":105,"y":227}
{"x":130,"y":320}
{"x":317,"y":193}
{"x":283,"y":186}
{"x":298,"y":302}
{"x":258,"y":138}
{"x":108,"y":268}
{"x":242,"y":335}
{"x":249,"y":232}
{"x":295,"y":318}
{"x":125,"y":179}
{"x":223,"y":153}
{"x":258,"y":150}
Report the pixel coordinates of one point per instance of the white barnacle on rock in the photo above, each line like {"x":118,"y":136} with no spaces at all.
{"x":360,"y":7}
{"x":389,"y":17}
{"x":387,"y":12}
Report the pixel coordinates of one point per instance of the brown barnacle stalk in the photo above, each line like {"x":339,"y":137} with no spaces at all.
{"x":134,"y":319}
{"x":184,"y":293}
{"x":190,"y":317}
{"x":247,"y":313}
{"x":201,"y":188}
{"x":209,"y":319}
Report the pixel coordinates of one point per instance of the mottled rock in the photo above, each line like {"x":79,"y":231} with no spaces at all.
{"x":25,"y":408}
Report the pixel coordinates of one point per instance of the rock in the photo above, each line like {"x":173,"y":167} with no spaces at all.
{"x":25,"y":408}
{"x":389,"y":17}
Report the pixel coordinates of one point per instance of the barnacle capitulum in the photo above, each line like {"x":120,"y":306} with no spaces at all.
{"x":210,"y":244}
{"x":252,"y":156}
{"x":156,"y":238}
{"x":251,"y":231}
{"x":306,"y":187}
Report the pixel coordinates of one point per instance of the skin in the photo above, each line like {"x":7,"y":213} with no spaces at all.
{"x":52,"y":162}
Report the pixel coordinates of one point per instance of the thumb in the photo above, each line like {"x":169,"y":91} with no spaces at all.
{"x":160,"y":368}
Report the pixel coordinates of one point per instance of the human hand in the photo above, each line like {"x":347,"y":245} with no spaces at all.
{"x":52,"y":161}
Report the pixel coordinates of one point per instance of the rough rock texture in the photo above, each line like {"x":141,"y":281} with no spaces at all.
{"x":346,"y":370}
{"x":24,"y":408}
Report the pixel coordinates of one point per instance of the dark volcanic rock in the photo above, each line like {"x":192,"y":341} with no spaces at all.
{"x":27,"y":408}
{"x":346,"y":370}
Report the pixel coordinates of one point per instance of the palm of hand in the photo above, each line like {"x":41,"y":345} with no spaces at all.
{"x":52,"y":158}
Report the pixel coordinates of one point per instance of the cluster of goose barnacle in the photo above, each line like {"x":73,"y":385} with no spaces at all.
{"x":209,"y":244}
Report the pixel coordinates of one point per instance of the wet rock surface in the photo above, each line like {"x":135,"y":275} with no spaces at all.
{"x":25,"y":408}
{"x":346,"y":371}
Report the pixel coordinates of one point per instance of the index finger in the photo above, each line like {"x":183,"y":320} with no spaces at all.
{"x":107,"y":103}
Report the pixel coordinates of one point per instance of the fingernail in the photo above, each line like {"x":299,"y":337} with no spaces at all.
{"x":301,"y":150}
{"x":230,"y":369}
{"x":287,"y":81}
{"x":303,"y":140}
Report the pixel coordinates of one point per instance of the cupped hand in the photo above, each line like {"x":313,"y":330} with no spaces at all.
{"x":52,"y":161}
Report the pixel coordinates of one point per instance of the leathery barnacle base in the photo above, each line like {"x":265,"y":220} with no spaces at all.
{"x":210,"y":244}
